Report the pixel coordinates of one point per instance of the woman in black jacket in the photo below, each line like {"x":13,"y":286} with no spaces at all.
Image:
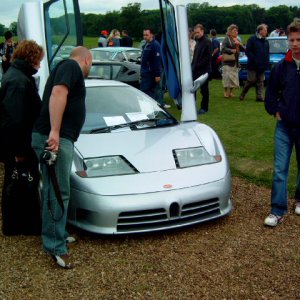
{"x":19,"y":107}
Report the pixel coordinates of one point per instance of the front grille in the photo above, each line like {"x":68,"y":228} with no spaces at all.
{"x":156,"y":219}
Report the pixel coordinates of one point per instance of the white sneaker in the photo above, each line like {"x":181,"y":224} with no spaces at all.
{"x":70,"y":240}
{"x":297,"y":208}
{"x":167,"y":106}
{"x":273,"y":220}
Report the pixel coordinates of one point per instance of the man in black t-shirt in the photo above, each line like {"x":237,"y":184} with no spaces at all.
{"x":57,"y":128}
{"x":126,"y":40}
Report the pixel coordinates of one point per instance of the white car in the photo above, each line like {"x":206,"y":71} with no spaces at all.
{"x":136,"y":168}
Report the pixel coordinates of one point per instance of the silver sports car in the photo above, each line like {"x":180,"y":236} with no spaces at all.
{"x":137,"y":169}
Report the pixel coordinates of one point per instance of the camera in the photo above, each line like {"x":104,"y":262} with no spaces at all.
{"x":48,"y":157}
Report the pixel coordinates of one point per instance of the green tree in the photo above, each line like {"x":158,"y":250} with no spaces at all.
{"x":13,"y":28}
{"x":133,"y":13}
{"x":2,"y":29}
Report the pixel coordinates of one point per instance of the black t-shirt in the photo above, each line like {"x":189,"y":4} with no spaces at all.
{"x":69,"y":74}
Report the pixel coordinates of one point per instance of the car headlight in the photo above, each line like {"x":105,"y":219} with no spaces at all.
{"x":194,"y":157}
{"x":106,"y":166}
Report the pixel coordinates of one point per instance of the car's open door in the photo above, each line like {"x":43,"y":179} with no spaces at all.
{"x":176,"y":58}
{"x":53,"y":24}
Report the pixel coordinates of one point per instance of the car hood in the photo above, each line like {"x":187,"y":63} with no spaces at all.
{"x":147,"y":150}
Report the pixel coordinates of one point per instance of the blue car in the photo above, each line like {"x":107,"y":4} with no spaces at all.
{"x":278,"y":49}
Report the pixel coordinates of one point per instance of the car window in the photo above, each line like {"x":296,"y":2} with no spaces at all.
{"x":133,"y":55}
{"x":119,"y":57}
{"x":101,"y":71}
{"x":115,"y":71}
{"x":278,"y":45}
{"x":101,"y":55}
{"x":104,"y":104}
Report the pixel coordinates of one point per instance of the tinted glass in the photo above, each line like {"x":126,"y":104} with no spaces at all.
{"x":278,"y":45}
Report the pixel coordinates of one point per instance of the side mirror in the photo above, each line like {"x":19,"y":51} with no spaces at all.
{"x":198,"y":82}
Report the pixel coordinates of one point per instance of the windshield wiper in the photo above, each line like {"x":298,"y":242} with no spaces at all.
{"x":134,"y":125}
{"x":109,"y":128}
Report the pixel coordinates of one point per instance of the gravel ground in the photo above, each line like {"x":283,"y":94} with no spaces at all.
{"x":232,"y":258}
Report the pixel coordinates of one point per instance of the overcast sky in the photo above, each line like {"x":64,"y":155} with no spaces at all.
{"x":9,"y":8}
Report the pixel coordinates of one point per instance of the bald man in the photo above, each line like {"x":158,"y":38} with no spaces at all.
{"x":57,"y":128}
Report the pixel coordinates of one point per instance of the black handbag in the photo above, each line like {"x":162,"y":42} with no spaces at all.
{"x":20,"y":203}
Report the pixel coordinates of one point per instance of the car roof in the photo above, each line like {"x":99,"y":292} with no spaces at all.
{"x":103,"y":82}
{"x":114,"y":49}
{"x":277,"y":37}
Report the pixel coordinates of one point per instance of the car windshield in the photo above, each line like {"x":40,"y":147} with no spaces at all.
{"x":278,"y":46}
{"x":121,"y":106}
{"x":101,"y":55}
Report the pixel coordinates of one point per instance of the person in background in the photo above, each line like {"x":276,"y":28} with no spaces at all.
{"x":57,"y":128}
{"x":19,"y":108}
{"x":126,"y":40}
{"x":102,"y":41}
{"x":230,"y":71}
{"x":192,"y":42}
{"x":257,"y":51}
{"x":7,"y":49}
{"x":151,"y":67}
{"x":282,"y":102}
{"x":215,"y":73}
{"x":114,"y":39}
{"x":201,"y":64}
{"x":275,"y":32}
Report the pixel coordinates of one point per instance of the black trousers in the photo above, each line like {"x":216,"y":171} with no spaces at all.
{"x":205,"y":96}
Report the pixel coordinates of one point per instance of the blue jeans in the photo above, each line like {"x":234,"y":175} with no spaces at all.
{"x":53,"y":222}
{"x":285,"y":139}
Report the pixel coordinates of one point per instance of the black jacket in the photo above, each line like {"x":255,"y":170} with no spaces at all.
{"x":257,"y":51}
{"x":201,"y":63}
{"x":19,"y":108}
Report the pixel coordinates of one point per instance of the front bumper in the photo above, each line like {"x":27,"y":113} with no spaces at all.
{"x":147,"y":212}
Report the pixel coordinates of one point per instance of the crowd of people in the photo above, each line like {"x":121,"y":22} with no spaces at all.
{"x":114,"y":39}
{"x":31,"y":129}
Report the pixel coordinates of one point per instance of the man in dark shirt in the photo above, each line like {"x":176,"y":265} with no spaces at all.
{"x":126,"y":40}
{"x":282,"y":102}
{"x":151,"y":67}
{"x":215,"y":73}
{"x":56,"y":129}
{"x":6,"y":50}
{"x":257,"y":51}
{"x":201,"y":63}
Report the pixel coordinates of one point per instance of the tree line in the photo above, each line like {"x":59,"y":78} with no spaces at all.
{"x":134,"y":19}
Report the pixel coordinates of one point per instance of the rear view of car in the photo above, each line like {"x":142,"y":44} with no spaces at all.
{"x":278,"y":49}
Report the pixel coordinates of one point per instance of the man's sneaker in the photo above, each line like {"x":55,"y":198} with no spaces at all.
{"x":297,"y":208}
{"x":273,"y":220}
{"x":63,"y":261}
{"x":167,"y":106}
{"x":71,"y":240}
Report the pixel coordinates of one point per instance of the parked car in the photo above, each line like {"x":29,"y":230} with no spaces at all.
{"x":63,"y":53}
{"x":278,"y":48}
{"x":115,"y":70}
{"x":137,"y":169}
{"x":117,"y":54}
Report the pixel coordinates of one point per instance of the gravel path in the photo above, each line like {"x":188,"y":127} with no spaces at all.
{"x":232,"y":258}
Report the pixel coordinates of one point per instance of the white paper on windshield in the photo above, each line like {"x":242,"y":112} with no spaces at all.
{"x":136,"y":116}
{"x":117,"y":120}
